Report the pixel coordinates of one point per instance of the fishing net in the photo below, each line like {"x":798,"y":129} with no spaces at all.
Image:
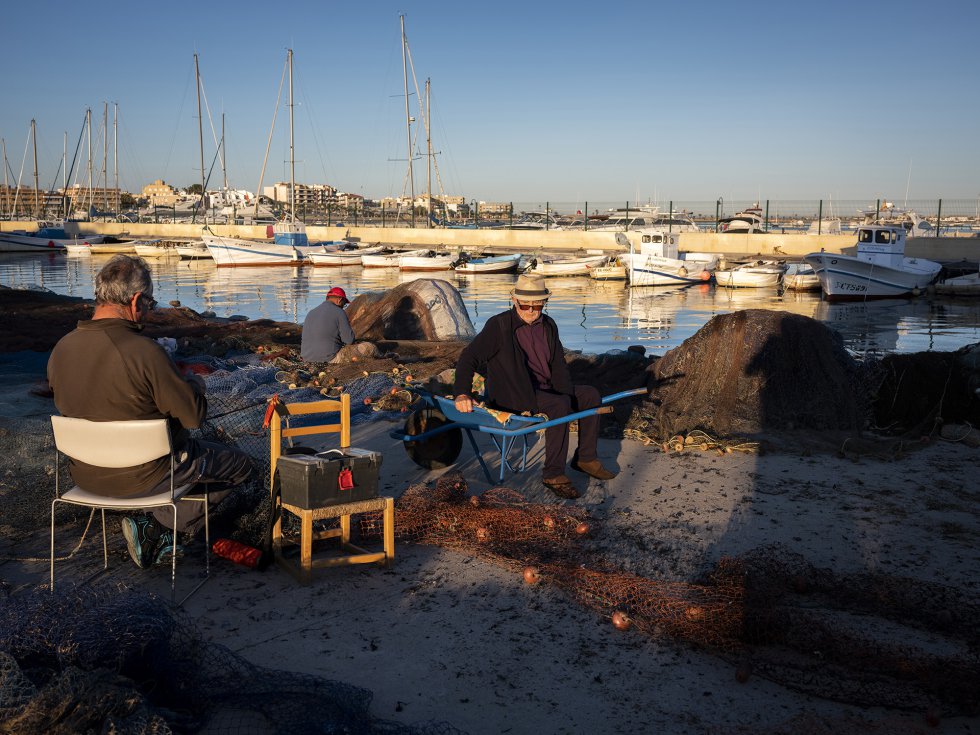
{"x":238,"y":395}
{"x":101,"y":659}
{"x":867,"y":639}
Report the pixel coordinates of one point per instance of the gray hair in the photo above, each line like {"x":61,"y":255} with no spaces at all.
{"x":122,"y":278}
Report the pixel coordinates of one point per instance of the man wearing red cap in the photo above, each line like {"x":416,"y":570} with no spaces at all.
{"x":326,"y":328}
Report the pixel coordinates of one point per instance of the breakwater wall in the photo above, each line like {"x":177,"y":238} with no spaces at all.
{"x":770,"y":244}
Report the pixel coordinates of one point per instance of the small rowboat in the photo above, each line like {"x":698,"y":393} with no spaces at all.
{"x":761,"y":274}
{"x":430,"y":260}
{"x":154,"y":249}
{"x":387,"y":259}
{"x":341,"y":253}
{"x":489,"y":264}
{"x":801,"y":277}
{"x":612,"y":271}
{"x":565,"y":266}
{"x":193,"y":250}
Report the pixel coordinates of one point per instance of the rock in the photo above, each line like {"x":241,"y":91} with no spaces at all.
{"x":425,"y":309}
{"x":238,"y":318}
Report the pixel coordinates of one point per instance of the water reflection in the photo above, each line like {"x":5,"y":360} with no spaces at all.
{"x":594,"y":316}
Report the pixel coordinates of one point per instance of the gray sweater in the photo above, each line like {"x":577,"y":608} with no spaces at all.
{"x":325,"y":331}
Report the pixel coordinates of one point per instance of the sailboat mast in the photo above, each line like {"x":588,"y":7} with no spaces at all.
{"x":200,"y":130}
{"x":115,"y":154}
{"x":37,"y":208}
{"x":224,"y":169}
{"x":408,"y":118}
{"x":292,"y":158}
{"x":88,"y":123}
{"x":64,"y":179}
{"x":428,"y":144}
{"x":105,"y":155}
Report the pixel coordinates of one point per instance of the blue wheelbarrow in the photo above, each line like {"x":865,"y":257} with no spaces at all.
{"x":433,"y":434}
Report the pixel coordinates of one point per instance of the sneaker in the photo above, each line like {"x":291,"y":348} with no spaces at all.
{"x":167,"y":548}
{"x":135,"y":531}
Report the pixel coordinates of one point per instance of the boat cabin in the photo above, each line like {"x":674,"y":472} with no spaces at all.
{"x":662,"y":244}
{"x":881,"y":245}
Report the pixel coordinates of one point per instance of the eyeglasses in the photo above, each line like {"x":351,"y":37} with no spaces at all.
{"x":149,"y":303}
{"x":530,"y":307}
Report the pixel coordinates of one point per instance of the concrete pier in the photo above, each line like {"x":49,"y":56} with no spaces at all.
{"x":772,"y":244}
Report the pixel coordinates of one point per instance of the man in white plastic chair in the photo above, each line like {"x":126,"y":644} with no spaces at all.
{"x":105,"y":370}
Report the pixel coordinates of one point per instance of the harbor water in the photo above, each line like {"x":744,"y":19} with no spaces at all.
{"x":593,"y":316}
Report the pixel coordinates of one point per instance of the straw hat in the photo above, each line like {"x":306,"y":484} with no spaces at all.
{"x":530,"y":288}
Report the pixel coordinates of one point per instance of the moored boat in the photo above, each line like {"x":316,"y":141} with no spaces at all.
{"x":614,"y":270}
{"x":966,"y":285}
{"x":427,"y":260}
{"x":879,"y":270}
{"x":193,"y":250}
{"x":342,"y":252}
{"x":801,"y":277}
{"x":387,"y":258}
{"x":154,"y":249}
{"x":659,"y":261}
{"x":488,"y":264}
{"x":559,"y":265}
{"x":49,"y":236}
{"x":760,"y":274}
{"x":289,"y":246}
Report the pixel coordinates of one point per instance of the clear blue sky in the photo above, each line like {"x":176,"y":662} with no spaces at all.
{"x":531,"y":101}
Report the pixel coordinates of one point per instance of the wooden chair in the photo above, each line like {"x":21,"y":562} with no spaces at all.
{"x":350,"y":554}
{"x":117,"y":444}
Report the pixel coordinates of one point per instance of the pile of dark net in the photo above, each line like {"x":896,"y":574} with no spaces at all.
{"x":869,"y":639}
{"x":106,"y":660}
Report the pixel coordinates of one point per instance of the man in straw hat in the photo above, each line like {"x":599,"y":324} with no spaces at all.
{"x":522,"y":358}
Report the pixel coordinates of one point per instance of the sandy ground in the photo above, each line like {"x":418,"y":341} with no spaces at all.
{"x":448,"y":636}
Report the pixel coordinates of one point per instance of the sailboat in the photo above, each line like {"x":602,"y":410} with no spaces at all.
{"x":289,"y":244}
{"x":49,"y":235}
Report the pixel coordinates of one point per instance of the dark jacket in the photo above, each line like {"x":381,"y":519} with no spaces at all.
{"x":105,"y":370}
{"x":496,"y":355}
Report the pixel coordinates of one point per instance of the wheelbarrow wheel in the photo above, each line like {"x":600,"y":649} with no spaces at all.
{"x":440,"y":451}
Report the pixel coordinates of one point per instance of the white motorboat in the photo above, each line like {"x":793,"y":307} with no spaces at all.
{"x":154,"y":249}
{"x":647,"y":218}
{"x":49,"y":236}
{"x":289,"y":246}
{"x":487,"y":264}
{"x":825,"y":226}
{"x":748,"y":220}
{"x":428,"y":260}
{"x":760,"y":274}
{"x":193,"y":250}
{"x":893,"y":216}
{"x":800,"y":277}
{"x":387,"y":258}
{"x":879,"y":270}
{"x":563,"y":265}
{"x":659,"y":261}
{"x":342,"y":252}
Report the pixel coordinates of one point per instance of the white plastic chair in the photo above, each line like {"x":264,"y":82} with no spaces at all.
{"x":117,"y":444}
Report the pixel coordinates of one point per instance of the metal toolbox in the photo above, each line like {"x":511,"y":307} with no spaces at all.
{"x":329,"y":478}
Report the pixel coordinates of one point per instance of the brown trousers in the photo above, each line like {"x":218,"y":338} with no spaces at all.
{"x":556,"y":405}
